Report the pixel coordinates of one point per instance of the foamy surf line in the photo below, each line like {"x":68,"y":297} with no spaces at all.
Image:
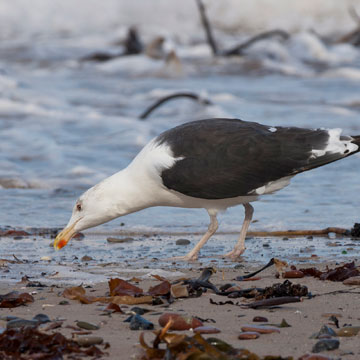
{"x":94,"y":259}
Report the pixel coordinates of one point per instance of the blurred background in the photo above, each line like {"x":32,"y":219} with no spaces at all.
{"x":76,"y":75}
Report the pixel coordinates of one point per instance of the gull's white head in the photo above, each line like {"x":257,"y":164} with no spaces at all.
{"x":96,"y":206}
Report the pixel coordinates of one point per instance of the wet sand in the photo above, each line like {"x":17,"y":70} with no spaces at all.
{"x":305,"y":317}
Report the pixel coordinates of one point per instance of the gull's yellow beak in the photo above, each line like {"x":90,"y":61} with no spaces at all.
{"x":64,"y":237}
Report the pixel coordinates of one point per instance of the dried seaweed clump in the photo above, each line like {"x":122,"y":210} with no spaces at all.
{"x":284,"y":289}
{"x":339,"y":273}
{"x":29,"y":344}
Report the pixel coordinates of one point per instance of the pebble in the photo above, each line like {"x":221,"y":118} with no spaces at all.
{"x":355,"y":280}
{"x":89,"y":340}
{"x":119,"y":240}
{"x":206,"y":330}
{"x":183,"y":242}
{"x":293,"y":274}
{"x":139,"y":310}
{"x":248,"y":335}
{"x":41,"y":318}
{"x":86,"y":325}
{"x":17,"y":323}
{"x":86,"y":258}
{"x":179,"y":322}
{"x":325,"y":330}
{"x":315,"y":357}
{"x":64,"y":302}
{"x":137,"y":322}
{"x":260,"y":329}
{"x":260,"y":319}
{"x":45,"y":258}
{"x":348,"y":331}
{"x":326,"y":345}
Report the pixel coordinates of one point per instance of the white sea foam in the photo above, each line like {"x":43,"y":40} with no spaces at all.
{"x":64,"y":17}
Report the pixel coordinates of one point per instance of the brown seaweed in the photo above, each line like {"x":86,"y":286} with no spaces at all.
{"x":180,"y":346}
{"x":15,"y":299}
{"x":339,"y":273}
{"x":28,"y":343}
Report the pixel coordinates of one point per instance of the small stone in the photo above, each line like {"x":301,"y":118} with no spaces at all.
{"x":41,"y":318}
{"x":248,"y":335}
{"x":260,"y":319}
{"x":293,"y":274}
{"x":179,"y":291}
{"x":86,"y":325}
{"x":64,"y":302}
{"x":348,"y":331}
{"x":260,"y":329}
{"x":17,"y":323}
{"x":89,"y":340}
{"x":119,"y":240}
{"x":239,"y":266}
{"x":139,"y":310}
{"x":86,"y":258}
{"x":266,"y":245}
{"x":137,"y":322}
{"x":206,"y":330}
{"x":315,"y":357}
{"x":45,"y":258}
{"x":326,"y":345}
{"x":325,"y":330}
{"x":183,"y":242}
{"x":354,"y":280}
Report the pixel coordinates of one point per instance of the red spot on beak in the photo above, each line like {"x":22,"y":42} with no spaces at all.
{"x":61,"y":244}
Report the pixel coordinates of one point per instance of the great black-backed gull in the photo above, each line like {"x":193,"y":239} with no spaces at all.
{"x":212,"y":164}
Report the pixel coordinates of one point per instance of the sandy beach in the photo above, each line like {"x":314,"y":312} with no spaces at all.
{"x":305,"y":318}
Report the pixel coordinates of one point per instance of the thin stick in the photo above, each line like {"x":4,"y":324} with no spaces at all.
{"x":188,"y":95}
{"x":273,"y":302}
{"x":207,"y":27}
{"x":238,"y":50}
{"x":326,"y":231}
{"x":270,"y":263}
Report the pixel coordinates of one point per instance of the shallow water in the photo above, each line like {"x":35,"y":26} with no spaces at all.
{"x":149,"y":254}
{"x":65,"y":124}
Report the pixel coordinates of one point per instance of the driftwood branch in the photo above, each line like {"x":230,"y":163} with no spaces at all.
{"x":188,"y":95}
{"x":132,"y":46}
{"x":239,"y":49}
{"x":326,"y":231}
{"x":272,"y":302}
{"x":355,"y":16}
{"x":207,"y":27}
{"x":353,"y":37}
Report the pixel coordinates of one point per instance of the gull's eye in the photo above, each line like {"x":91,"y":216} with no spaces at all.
{"x":78,"y":207}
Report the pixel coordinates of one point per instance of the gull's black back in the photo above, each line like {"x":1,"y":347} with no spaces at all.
{"x":225,"y":158}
